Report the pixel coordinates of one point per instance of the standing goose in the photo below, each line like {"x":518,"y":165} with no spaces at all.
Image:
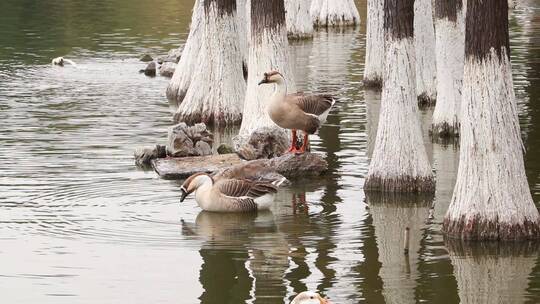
{"x":296,"y":111}
{"x":230,"y":195}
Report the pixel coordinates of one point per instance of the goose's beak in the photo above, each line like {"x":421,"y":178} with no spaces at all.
{"x":184,"y":194}
{"x":263,"y":81}
{"x":324,"y":300}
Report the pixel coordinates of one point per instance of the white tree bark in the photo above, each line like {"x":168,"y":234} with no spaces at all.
{"x":268,"y":51}
{"x":243,"y":29}
{"x":424,"y":38}
{"x":399,"y":161}
{"x":491,"y":199}
{"x":181,"y":79}
{"x":216,"y":85}
{"x":373,"y":69}
{"x":299,"y":23}
{"x":450,"y":52}
{"x":373,"y":109}
{"x":330,"y":13}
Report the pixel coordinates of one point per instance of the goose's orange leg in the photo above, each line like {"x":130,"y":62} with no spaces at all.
{"x":304,"y":144}
{"x":293,"y":149}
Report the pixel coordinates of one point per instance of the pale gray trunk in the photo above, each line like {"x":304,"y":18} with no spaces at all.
{"x":299,"y":23}
{"x":424,"y":43}
{"x":330,"y":13}
{"x":215,"y":89}
{"x":399,"y":162}
{"x":373,"y":70}
{"x":268,"y":51}
{"x":492,"y":199}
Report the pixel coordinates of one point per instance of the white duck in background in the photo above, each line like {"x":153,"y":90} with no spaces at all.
{"x":308,"y":297}
{"x":296,"y":111}
{"x":230,"y":195}
{"x":59,"y":61}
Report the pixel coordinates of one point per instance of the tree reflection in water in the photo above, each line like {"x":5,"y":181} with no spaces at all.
{"x":492,"y":272}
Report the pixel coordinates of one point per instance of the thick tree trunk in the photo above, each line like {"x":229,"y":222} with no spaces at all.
{"x":424,"y":42}
{"x":399,"y":162}
{"x":373,"y":110}
{"x":181,"y":79}
{"x":268,"y":50}
{"x":450,"y":52}
{"x":373,"y":69}
{"x":298,"y":19}
{"x":215,"y":89}
{"x":330,"y":13}
{"x":243,"y":32}
{"x":491,"y":200}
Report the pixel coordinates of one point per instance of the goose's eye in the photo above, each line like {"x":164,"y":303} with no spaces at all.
{"x":312,"y":297}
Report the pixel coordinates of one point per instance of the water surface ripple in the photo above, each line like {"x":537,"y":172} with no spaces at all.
{"x":80,"y":224}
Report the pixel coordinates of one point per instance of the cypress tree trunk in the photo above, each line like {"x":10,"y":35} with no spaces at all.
{"x":268,"y":50}
{"x":424,"y":43}
{"x":330,"y":13}
{"x":243,"y":32}
{"x":176,"y":91}
{"x":491,"y":199}
{"x":450,"y":52}
{"x":211,"y":90}
{"x":399,"y":162}
{"x":299,"y":23}
{"x":373,"y":69}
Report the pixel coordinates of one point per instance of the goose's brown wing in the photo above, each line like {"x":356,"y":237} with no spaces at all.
{"x":238,"y":188}
{"x":312,"y":104}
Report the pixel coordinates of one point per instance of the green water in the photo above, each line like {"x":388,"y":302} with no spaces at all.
{"x":80,"y":224}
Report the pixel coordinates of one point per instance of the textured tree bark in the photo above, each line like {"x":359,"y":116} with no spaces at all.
{"x":268,"y":50}
{"x":176,"y":91}
{"x":491,"y":199}
{"x":330,"y":13}
{"x":450,"y":52}
{"x":298,"y":19}
{"x":373,"y":110}
{"x":399,"y":162}
{"x":373,"y":69}
{"x":212,"y":88}
{"x":243,"y":32}
{"x":424,"y":43}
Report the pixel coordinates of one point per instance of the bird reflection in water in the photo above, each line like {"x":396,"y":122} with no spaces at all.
{"x":244,"y":256}
{"x":299,"y":204}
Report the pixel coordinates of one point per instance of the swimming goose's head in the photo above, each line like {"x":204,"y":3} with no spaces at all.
{"x":193,"y":182}
{"x":58,"y":61}
{"x":308,"y":297}
{"x":273,"y":77}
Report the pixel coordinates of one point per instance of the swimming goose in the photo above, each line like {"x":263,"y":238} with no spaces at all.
{"x":308,"y":297}
{"x":296,"y":111}
{"x":230,"y":195}
{"x":60,"y":61}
